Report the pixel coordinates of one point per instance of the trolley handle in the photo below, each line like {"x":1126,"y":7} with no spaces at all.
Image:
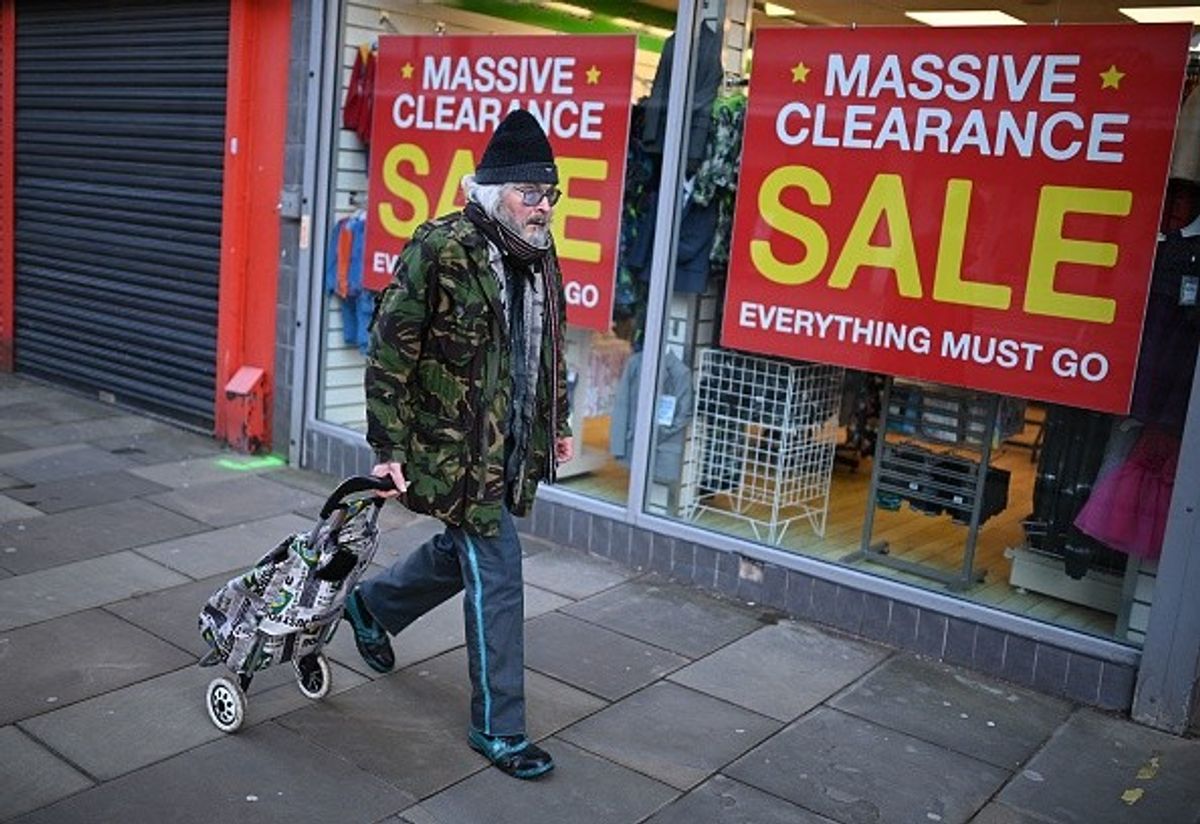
{"x":350,"y":486}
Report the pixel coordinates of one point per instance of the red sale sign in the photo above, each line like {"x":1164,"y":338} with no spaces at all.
{"x":439,"y":98}
{"x":975,"y":207}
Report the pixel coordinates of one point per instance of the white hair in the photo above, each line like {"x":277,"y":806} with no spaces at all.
{"x":487,"y":195}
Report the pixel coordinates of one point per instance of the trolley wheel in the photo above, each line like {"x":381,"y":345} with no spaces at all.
{"x":313,"y":675}
{"x":226,"y":704}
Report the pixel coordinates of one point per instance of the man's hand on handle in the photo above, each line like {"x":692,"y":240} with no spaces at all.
{"x":396,"y":472}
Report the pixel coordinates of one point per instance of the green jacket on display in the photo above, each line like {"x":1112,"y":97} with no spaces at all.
{"x":439,"y":382}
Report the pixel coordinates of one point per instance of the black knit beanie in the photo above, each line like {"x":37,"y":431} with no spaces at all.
{"x":517,"y":153}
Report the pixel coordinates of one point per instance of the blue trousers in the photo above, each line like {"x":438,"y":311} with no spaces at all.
{"x":489,"y":571}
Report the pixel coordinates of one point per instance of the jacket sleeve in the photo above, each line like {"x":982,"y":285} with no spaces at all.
{"x":397,"y":333}
{"x":561,"y":399}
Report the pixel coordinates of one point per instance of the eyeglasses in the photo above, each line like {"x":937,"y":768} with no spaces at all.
{"x":532,"y":197}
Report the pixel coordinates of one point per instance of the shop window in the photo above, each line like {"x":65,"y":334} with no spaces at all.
{"x":1048,"y":510}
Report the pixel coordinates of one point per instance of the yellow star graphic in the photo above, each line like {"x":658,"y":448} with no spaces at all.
{"x":406,"y":71}
{"x":1111,"y":79}
{"x":800,"y":73}
{"x":593,"y":75}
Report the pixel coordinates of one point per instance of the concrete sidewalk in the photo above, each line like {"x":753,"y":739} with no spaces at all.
{"x":660,"y":703}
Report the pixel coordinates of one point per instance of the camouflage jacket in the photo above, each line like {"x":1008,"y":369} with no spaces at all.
{"x":438,"y":381}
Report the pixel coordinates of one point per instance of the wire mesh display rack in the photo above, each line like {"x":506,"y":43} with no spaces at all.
{"x":763,"y":434}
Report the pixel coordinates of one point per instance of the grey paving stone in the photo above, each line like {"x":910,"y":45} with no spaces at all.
{"x":42,"y":779}
{"x":138,"y":725}
{"x":264,"y":775}
{"x":200,"y":471}
{"x":52,"y":593}
{"x":53,"y":540}
{"x":683,"y":620}
{"x":583,"y":789}
{"x":71,"y":462}
{"x":113,"y":426}
{"x":996,"y":813}
{"x":781,"y":671}
{"x":160,"y":445}
{"x":85,"y":490}
{"x":47,"y":409}
{"x":593,"y":658}
{"x":722,"y":800}
{"x":171,"y":613}
{"x":410,"y":727}
{"x":671,"y":733}
{"x":231,"y":549}
{"x":988,"y":719}
{"x":854,"y":771}
{"x":232,"y":502}
{"x":11,"y":444}
{"x":12,"y":509}
{"x":55,"y":663}
{"x":573,"y":574}
{"x":1135,"y":774}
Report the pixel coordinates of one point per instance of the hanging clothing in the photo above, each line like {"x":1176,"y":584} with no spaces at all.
{"x":709,"y":73}
{"x":344,"y":278}
{"x":1170,"y":336}
{"x":675,"y":402}
{"x":717,"y":177}
{"x":1128,"y":508}
{"x":360,"y":93}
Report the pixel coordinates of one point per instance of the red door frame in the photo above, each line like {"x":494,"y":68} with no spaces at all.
{"x":8,"y":134}
{"x":255,"y":132}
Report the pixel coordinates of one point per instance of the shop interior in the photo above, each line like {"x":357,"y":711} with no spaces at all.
{"x":972,"y":494}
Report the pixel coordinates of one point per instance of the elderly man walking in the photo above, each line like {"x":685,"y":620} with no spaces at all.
{"x":467,"y":413}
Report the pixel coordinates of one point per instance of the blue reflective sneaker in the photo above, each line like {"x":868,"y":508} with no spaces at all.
{"x":370,"y":638}
{"x":513,"y":754}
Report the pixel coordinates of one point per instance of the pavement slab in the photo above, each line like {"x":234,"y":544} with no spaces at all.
{"x":42,"y":779}
{"x":61,"y":464}
{"x":185,"y":473}
{"x":410,"y":727}
{"x":60,"y":495}
{"x":11,"y":509}
{"x":55,"y":663}
{"x":592,"y":658}
{"x":113,"y":426}
{"x":230,"y":550}
{"x":996,"y":813}
{"x":671,"y":733}
{"x":157,"y":446}
{"x":982,"y":717}
{"x":670,"y":616}
{"x":722,"y":800}
{"x":232,"y":502}
{"x":857,"y":772}
{"x":10,"y":444}
{"x":573,"y":574}
{"x":1134,"y":774}
{"x":53,"y":540}
{"x":792,"y":666}
{"x":44,"y":407}
{"x":582,"y":789}
{"x":263,"y":775}
{"x":133,"y":727}
{"x":172,"y":613}
{"x":53,"y":593}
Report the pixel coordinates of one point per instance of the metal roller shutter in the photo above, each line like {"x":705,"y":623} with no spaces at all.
{"x":120,"y":128}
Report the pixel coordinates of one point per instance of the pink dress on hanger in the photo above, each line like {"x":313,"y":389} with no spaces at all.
{"x":1127,"y":510}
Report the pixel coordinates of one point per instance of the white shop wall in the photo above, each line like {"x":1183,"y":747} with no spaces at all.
{"x":342,"y":366}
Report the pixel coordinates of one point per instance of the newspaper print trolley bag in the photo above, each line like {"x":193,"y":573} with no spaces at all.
{"x":287,"y":607}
